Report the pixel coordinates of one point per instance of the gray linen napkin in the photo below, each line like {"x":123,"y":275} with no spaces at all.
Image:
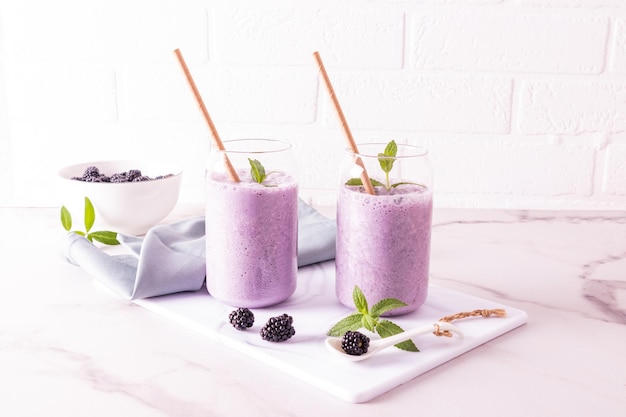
{"x":171,"y":258}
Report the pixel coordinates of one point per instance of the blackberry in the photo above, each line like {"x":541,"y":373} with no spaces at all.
{"x":241,"y":319}
{"x":132,"y":174}
{"x":355,"y":343}
{"x":119,"y":178}
{"x":278,"y":329}
{"x":91,"y":172}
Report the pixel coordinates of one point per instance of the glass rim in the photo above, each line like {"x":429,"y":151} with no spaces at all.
{"x":419,"y":150}
{"x":280,"y":146}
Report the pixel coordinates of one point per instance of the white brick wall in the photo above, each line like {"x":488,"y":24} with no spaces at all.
{"x":425,"y":103}
{"x":522,"y":103}
{"x":354,"y":37}
{"x":498,"y":40}
{"x":614,"y":178}
{"x":572,"y":106}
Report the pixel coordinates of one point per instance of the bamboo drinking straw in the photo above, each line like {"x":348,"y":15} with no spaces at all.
{"x":216,"y":137}
{"x":351,"y":143}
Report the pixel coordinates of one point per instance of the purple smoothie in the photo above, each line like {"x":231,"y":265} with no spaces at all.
{"x":251,"y":239}
{"x":383,"y":244}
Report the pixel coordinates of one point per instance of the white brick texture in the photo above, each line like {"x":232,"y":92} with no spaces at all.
{"x":618,"y":59}
{"x":346,"y":37}
{"x":571,"y":3}
{"x":44,"y":31}
{"x":615,"y":174}
{"x":109,"y":32}
{"x":264,"y":95}
{"x":61,"y":93}
{"x":411,"y":101}
{"x":496,"y":41}
{"x":505,"y":168}
{"x":148,"y":34}
{"x":572,"y":107}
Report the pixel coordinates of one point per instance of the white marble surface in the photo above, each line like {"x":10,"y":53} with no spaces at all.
{"x":70,"y":348}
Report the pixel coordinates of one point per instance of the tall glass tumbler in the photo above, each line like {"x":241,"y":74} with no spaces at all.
{"x":383,"y":240}
{"x":252,"y":225}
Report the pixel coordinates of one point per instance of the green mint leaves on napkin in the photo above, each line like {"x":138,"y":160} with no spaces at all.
{"x":370,"y":319}
{"x":103,"y":236}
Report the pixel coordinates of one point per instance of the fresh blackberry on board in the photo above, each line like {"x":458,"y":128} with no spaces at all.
{"x":241,"y":319}
{"x":355,"y":343}
{"x":278,"y":329}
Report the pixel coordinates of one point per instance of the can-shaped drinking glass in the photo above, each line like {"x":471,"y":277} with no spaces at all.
{"x":251,"y":224}
{"x":383,"y":240}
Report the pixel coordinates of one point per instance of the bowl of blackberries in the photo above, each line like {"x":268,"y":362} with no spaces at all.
{"x":129,"y":197}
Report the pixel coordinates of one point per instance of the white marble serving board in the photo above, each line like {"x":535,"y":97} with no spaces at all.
{"x":315,"y":309}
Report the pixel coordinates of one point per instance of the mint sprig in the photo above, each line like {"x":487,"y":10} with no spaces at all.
{"x":370,"y":319}
{"x":257,"y":172}
{"x":386,"y":159}
{"x":89,"y":217}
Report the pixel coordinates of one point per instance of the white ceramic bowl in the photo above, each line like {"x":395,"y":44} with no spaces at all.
{"x":131,"y":208}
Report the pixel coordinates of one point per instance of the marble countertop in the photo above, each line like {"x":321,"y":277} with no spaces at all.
{"x":71,"y":348}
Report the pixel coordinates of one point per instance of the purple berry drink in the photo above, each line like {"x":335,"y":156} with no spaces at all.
{"x":383,"y":240}
{"x":383,"y":245}
{"x":251,"y":237}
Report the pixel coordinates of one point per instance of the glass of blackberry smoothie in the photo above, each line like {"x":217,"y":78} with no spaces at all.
{"x":252,"y":224}
{"x":383,"y":240}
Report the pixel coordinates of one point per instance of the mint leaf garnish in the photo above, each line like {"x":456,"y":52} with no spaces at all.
{"x":358,"y":181}
{"x":406,"y":183}
{"x":103,"y":236}
{"x":257,"y":171}
{"x":370,"y":319}
{"x":386,"y":159}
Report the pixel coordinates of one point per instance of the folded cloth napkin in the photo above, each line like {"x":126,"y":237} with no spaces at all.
{"x":171,"y":258}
